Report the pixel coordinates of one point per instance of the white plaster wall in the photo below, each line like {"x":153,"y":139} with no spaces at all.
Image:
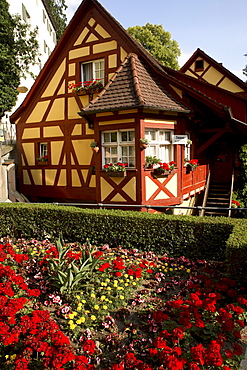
{"x":46,"y":33}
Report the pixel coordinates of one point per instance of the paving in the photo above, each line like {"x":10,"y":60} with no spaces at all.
{"x":243,"y":364}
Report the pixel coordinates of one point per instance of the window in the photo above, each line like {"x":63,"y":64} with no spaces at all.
{"x":44,"y":16}
{"x":199,"y":65}
{"x":187,"y":147}
{"x":43,"y":149}
{"x":93,"y":70}
{"x":49,"y":29}
{"x":25,"y":15}
{"x":160,"y":144}
{"x":119,"y":146}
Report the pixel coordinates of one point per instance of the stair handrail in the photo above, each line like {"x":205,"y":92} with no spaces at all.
{"x":205,"y":198}
{"x":231,"y":192}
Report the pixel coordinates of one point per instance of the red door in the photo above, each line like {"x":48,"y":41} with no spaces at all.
{"x":221,"y":163}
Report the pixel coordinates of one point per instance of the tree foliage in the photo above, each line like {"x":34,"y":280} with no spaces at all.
{"x":18,"y":51}
{"x":245,"y":69}
{"x":57,"y":8}
{"x":158,"y":42}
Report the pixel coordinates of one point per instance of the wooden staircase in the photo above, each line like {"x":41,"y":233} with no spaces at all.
{"x":219,"y":197}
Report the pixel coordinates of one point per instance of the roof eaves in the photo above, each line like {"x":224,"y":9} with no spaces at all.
{"x":49,"y":12}
{"x":92,"y":111}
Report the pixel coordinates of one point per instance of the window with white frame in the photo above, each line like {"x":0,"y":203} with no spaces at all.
{"x":93,"y":71}
{"x":187,"y":148}
{"x":43,"y":149}
{"x":119,"y":146}
{"x":160,"y":144}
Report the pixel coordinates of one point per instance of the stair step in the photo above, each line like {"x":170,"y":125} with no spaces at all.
{"x":216,"y":199}
{"x":216,"y":213}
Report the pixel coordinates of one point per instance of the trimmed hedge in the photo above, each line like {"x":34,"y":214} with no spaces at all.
{"x":236,"y":252}
{"x":191,"y":236}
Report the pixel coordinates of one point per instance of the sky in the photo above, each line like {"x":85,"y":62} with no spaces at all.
{"x":218,"y":27}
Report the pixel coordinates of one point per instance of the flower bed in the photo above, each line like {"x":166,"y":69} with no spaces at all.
{"x":82,"y":307}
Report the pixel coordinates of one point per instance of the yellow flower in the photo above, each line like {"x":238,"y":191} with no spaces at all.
{"x":119,"y":288}
{"x":81,"y":320}
{"x":126,"y":275}
{"x":188,"y":270}
{"x":171,"y":269}
{"x":121,"y":297}
{"x":71,"y":315}
{"x":108,"y":288}
{"x":73,"y":326}
{"x":126,"y":284}
{"x":115,"y":282}
{"x":107,"y":280}
{"x":78,"y":297}
{"x":93,"y":318}
{"x":105,"y":307}
{"x":102,"y":298}
{"x":96,"y":307}
{"x":70,"y":322}
{"x":83,"y":301}
{"x":79,"y":308}
{"x":131,"y":277}
{"x":92,"y":295}
{"x":13,"y":357}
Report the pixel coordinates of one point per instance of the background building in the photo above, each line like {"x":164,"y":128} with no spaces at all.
{"x":36,"y":13}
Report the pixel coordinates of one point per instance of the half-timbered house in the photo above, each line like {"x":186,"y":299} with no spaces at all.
{"x":198,"y":113}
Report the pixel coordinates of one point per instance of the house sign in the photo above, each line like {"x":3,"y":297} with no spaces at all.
{"x":179,"y":139}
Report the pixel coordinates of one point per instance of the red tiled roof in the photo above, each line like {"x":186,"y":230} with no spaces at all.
{"x":133,"y":85}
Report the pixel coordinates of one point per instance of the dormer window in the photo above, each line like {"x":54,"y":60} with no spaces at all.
{"x":94,"y":70}
{"x":199,"y":65}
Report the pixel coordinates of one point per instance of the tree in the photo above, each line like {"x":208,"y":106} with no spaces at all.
{"x":245,"y":69}
{"x":18,"y":51}
{"x":57,"y":8}
{"x":158,"y":42}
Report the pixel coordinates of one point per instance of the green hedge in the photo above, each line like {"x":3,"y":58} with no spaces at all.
{"x":236,"y":252}
{"x":193,"y":237}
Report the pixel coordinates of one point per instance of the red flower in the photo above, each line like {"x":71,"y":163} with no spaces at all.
{"x":104,"y":266}
{"x":160,"y":316}
{"x":159,"y":342}
{"x":153,"y":351}
{"x":88,"y":346}
{"x":237,"y":349}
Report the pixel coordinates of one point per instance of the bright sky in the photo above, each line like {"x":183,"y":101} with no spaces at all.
{"x":218,"y":27}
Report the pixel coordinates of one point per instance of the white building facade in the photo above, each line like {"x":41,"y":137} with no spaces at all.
{"x":36,"y":14}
